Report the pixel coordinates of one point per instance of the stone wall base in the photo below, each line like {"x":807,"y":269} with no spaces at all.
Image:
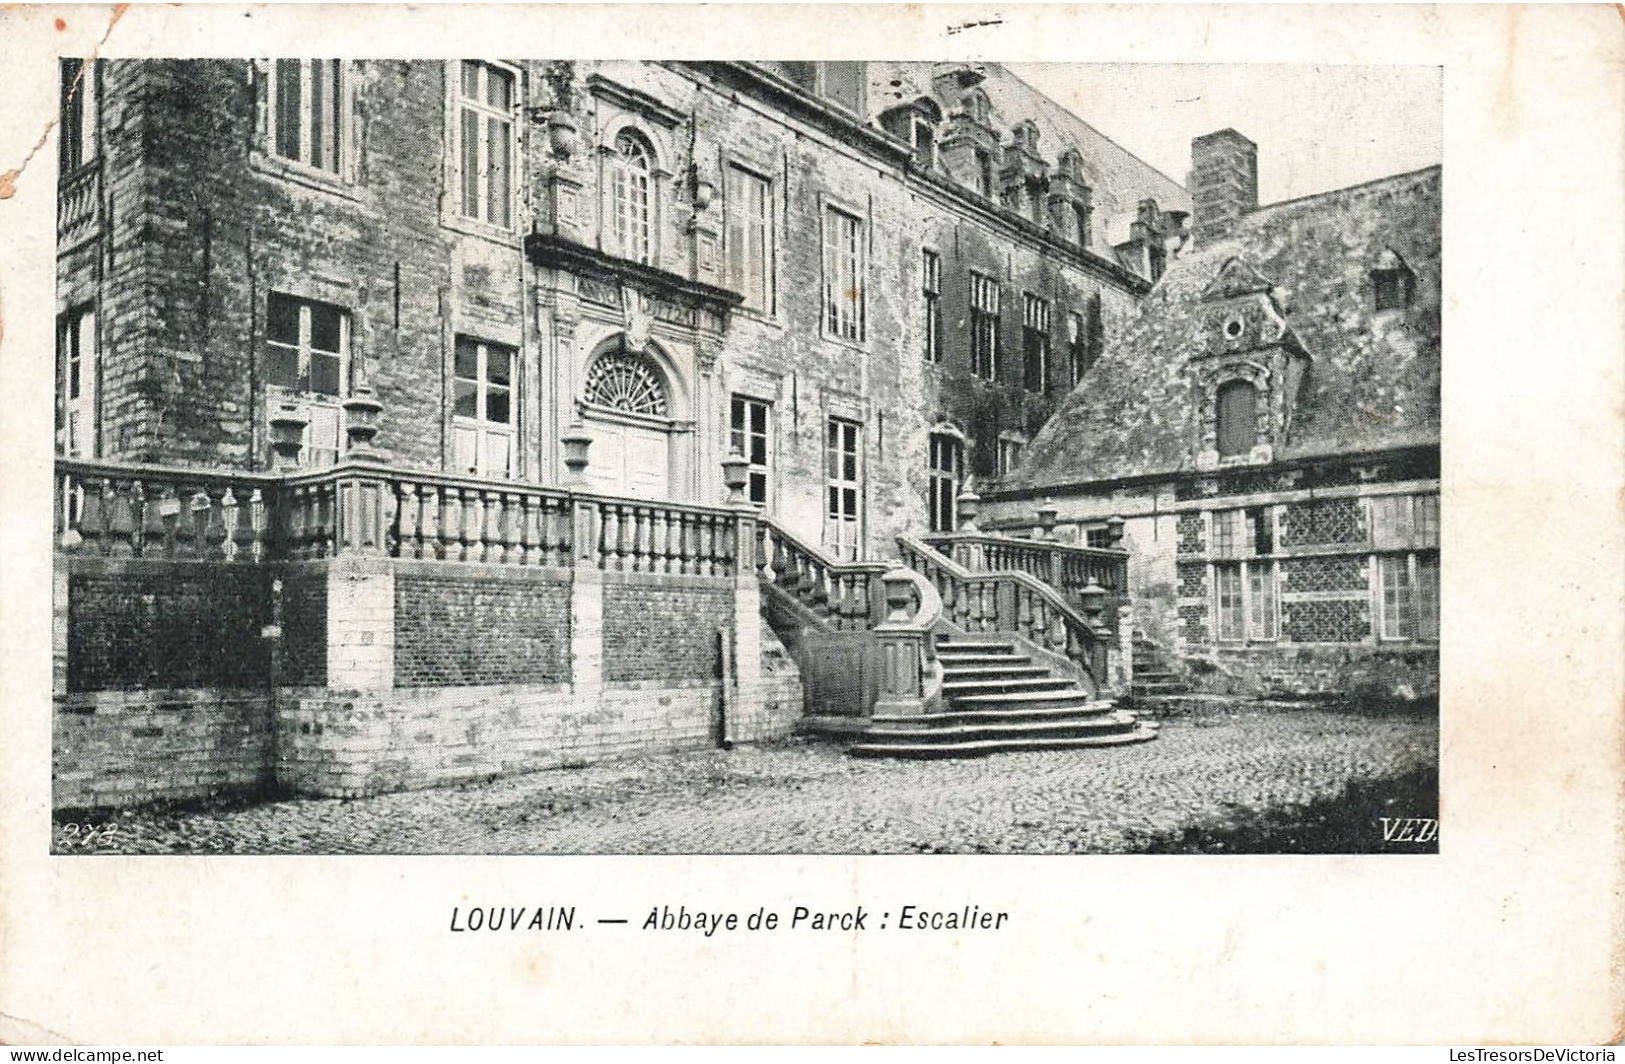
{"x":1353,"y":670}
{"x":118,"y":749}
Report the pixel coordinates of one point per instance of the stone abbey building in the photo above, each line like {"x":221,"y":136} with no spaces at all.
{"x":422,"y":421}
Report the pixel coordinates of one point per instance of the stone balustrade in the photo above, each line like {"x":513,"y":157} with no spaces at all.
{"x":369,"y":508}
{"x":1011,"y":601}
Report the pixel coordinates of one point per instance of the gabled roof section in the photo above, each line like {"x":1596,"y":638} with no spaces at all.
{"x":1374,"y":384}
{"x":1119,"y":178}
{"x":1235,"y":279}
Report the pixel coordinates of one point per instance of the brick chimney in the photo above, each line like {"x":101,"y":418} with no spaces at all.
{"x":1223,"y":183}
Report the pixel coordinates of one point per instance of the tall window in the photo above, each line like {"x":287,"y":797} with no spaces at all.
{"x":984,"y":173}
{"x":76,"y":355}
{"x":923,"y":136}
{"x":78,"y":103}
{"x":984,"y":326}
{"x":486,"y":100}
{"x":749,"y":434}
{"x":946,"y":461}
{"x":306,"y":110}
{"x":1035,"y":343}
{"x":1237,"y":411}
{"x":483,"y":413}
{"x":1077,"y":350}
{"x":1012,"y":449}
{"x":843,"y":487}
{"x":307,"y":347}
{"x":749,"y":202}
{"x":1408,"y":579}
{"x":1409,"y":596}
{"x":631,"y":168}
{"x":1246,"y":599}
{"x":843,"y":275}
{"x":931,"y":284}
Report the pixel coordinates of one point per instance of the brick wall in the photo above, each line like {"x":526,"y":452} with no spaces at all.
{"x":1189,"y":531}
{"x":1352,"y":670}
{"x":304,"y":627}
{"x":144,"y":624}
{"x":1323,"y":521}
{"x":1336,"y":621}
{"x":1324,"y":574}
{"x":664,"y":628}
{"x":454,"y":629}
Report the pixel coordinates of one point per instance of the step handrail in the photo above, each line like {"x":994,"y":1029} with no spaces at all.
{"x":1009,"y":601}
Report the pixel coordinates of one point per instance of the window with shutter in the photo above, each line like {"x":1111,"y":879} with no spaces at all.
{"x":749,"y":206}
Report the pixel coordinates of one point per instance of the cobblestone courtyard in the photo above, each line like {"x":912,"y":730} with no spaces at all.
{"x":810,"y":797}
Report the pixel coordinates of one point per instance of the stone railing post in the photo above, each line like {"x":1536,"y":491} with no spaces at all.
{"x":901,"y":648}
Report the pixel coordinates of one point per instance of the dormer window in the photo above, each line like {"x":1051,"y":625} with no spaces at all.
{"x":1393,"y":285}
{"x":1237,"y":415}
{"x":924,"y":139}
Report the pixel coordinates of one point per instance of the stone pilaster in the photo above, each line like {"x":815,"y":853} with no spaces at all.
{"x":361,"y":624}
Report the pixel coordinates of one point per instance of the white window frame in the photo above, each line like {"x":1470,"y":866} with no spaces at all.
{"x":462,"y":109}
{"x":79,"y":347}
{"x":742,"y":433}
{"x":844,"y":314}
{"x":1233,"y":541}
{"x":479,"y":429}
{"x":343,"y":110}
{"x":843,"y":530}
{"x":739,"y":221}
{"x":633,"y":238}
{"x":1421,"y":613}
{"x":940,"y":518}
{"x":324,"y":411}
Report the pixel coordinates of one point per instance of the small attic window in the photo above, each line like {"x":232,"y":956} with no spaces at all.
{"x":923,"y":136}
{"x":1237,"y":404}
{"x":1392,"y":283}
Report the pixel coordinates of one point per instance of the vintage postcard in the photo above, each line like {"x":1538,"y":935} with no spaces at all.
{"x":919,"y":524}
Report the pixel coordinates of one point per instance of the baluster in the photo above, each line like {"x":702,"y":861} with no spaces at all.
{"x":257,"y":532}
{"x":214,"y":525}
{"x":563,"y":511}
{"x":151,"y":539}
{"x":657,"y":540}
{"x":429,"y":526}
{"x":93,"y":517}
{"x":524,"y":542}
{"x":409,"y":528}
{"x":713,"y":546}
{"x":120,"y":521}
{"x":456,"y":535}
{"x":1057,"y":632}
{"x":642,"y":539}
{"x":327,"y":519}
{"x":492,"y":548}
{"x":229,"y":517}
{"x":677,"y":542}
{"x":145,"y":512}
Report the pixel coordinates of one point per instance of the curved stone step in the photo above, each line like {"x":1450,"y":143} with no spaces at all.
{"x":995,"y":685}
{"x":983,"y":659}
{"x":970,"y":672}
{"x":983,"y":747}
{"x":993,"y":716}
{"x":1072,"y":698}
{"x":1054,"y":729}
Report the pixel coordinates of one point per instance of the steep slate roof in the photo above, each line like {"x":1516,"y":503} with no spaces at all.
{"x":1119,"y":179}
{"x":1374,"y":379}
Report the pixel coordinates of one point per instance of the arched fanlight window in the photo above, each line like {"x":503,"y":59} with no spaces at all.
{"x":633,"y":164}
{"x":1237,"y":412}
{"x":623,"y":381}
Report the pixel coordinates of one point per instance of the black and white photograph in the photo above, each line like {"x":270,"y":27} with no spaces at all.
{"x":565,"y":456}
{"x":828,"y":498}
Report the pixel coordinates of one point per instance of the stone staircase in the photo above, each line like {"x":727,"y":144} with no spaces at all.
{"x":1153,"y":678}
{"x":998,"y":699}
